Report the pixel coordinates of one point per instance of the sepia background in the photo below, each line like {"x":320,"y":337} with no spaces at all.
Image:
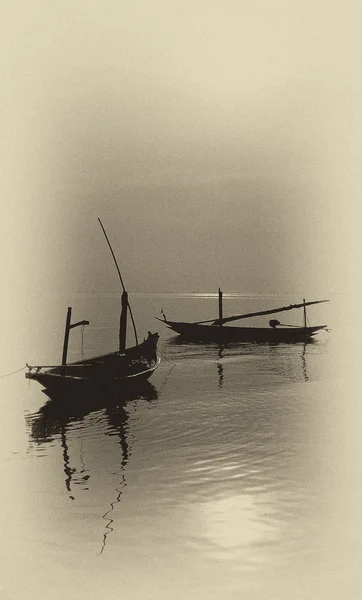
{"x":219,"y":142}
{"x":222,"y":138}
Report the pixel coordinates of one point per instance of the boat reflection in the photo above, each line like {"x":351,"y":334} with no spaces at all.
{"x":66,"y":413}
{"x":64,"y":407}
{"x":285,"y":361}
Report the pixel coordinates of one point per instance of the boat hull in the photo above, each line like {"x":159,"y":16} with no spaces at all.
{"x":137,"y":364}
{"x":225,"y":334}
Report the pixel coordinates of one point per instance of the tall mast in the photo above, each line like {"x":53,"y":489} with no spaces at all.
{"x":123,"y":323}
{"x":220,"y":307}
{"x":304,"y":313}
{"x":124,"y":302}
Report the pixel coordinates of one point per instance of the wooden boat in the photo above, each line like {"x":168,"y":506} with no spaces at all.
{"x":213,"y":330}
{"x":125,"y":366}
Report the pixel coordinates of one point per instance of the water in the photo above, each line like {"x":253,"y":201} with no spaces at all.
{"x":235,"y":474}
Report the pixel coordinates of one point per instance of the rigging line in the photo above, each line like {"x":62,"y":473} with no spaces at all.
{"x":173,"y":365}
{"x":82,"y":343}
{"x":165,"y":357}
{"x":166,"y":378}
{"x":121,"y":279}
{"x":12,"y":373}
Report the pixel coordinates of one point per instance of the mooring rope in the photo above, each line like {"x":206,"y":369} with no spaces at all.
{"x":82,"y":343}
{"x":165,"y":357}
{"x":12,"y":373}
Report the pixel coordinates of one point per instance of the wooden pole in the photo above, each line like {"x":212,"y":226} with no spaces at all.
{"x":123,"y":323}
{"x":259,"y":313}
{"x":120,"y":278}
{"x":305,"y":313}
{"x":66,"y":335}
{"x":220,"y":307}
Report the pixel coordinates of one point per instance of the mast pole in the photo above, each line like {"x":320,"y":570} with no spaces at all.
{"x":220,"y":307}
{"x":124,"y":307}
{"x":66,"y":335}
{"x":123,"y":323}
{"x":305,"y":313}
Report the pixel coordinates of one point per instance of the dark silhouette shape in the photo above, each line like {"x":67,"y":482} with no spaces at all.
{"x":274,"y":323}
{"x":213,"y":330}
{"x":53,"y":419}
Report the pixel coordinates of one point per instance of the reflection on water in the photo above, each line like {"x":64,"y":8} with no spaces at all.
{"x":215,"y":481}
{"x":222,"y":354}
{"x":304,"y":362}
{"x":64,"y":410}
{"x":228,"y":443}
{"x":288,"y":362}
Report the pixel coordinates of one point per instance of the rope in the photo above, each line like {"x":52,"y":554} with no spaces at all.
{"x":82,"y":344}
{"x":12,"y":373}
{"x":165,"y":357}
{"x":166,"y":377}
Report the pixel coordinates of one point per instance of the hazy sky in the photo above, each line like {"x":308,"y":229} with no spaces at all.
{"x":218,"y":141}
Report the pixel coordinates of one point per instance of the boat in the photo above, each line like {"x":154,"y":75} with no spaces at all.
{"x":214,"y":330}
{"x":125,"y":366}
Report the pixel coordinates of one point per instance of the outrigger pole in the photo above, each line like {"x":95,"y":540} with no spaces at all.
{"x":266,"y":312}
{"x":124,"y":302}
{"x":221,"y":320}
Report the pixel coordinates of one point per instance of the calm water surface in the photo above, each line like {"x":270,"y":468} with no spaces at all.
{"x":235,"y":473}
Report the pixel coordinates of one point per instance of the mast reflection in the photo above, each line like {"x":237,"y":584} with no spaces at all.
{"x":55,"y":418}
{"x":304,"y":363}
{"x":286,"y":360}
{"x":220,"y":366}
